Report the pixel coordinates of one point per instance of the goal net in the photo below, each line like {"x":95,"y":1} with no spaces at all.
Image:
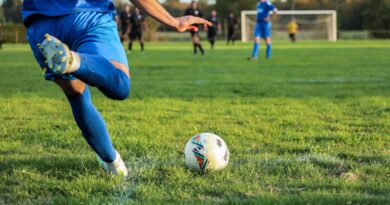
{"x":313,"y":24}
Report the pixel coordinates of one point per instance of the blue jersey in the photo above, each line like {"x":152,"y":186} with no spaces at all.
{"x":64,"y":7}
{"x":263,"y":11}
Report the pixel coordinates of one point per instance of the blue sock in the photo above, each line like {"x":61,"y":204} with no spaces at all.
{"x":255,"y":52}
{"x":100,"y":72}
{"x":269,"y":51}
{"x":92,"y":125}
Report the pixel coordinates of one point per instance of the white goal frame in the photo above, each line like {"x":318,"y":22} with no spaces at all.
{"x":333,"y":13}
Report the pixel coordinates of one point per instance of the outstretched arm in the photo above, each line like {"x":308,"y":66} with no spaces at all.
{"x":155,"y":10}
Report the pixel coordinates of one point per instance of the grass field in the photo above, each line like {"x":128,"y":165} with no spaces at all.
{"x":311,"y":126}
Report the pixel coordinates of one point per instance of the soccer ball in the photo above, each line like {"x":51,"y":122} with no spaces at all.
{"x":206,"y":152}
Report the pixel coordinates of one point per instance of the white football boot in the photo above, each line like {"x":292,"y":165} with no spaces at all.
{"x":59,"y":58}
{"x":116,"y":167}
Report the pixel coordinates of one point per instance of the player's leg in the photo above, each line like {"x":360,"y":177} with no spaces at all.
{"x":267,"y":35}
{"x":91,"y":124}
{"x":194,"y":42}
{"x":198,"y":43}
{"x":88,"y":119}
{"x":213,"y":39}
{"x":256,"y":43}
{"x":131,"y":39}
{"x":269,"y":47}
{"x":255,"y":51}
{"x":210,"y":39}
{"x":233,"y":35}
{"x":141,"y":41}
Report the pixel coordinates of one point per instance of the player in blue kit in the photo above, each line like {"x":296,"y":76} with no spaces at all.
{"x":265,"y":10}
{"x":76,"y":43}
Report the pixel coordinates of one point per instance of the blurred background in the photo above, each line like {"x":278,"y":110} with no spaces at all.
{"x":356,"y":19}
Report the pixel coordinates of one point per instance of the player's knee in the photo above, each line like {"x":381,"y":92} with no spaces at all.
{"x":121,"y":67}
{"x":123,"y":93}
{"x":73,"y":87}
{"x":123,"y":88}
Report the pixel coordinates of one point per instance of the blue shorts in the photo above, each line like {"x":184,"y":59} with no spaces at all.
{"x":263,"y":30}
{"x":92,"y":33}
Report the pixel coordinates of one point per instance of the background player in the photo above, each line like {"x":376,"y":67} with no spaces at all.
{"x":195,"y":11}
{"x":213,"y":30}
{"x":124,"y":21}
{"x":263,"y":27}
{"x":86,"y":50}
{"x":292,"y":28}
{"x":137,"y":24}
{"x":232,"y":26}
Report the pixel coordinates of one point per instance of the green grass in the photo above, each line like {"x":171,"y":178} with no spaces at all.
{"x":311,"y":126}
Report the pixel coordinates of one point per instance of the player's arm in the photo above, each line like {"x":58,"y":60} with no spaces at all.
{"x":156,"y":11}
{"x":274,"y":11}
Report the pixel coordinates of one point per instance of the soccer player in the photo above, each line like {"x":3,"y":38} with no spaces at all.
{"x":137,"y":23}
{"x":195,"y":11}
{"x":124,"y":21}
{"x":265,"y":10}
{"x":232,"y":26}
{"x":76,"y":43}
{"x":292,"y":28}
{"x":212,"y":31}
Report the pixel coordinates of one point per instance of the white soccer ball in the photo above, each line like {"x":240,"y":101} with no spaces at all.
{"x":206,"y":152}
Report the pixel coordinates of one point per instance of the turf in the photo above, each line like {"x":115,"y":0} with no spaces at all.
{"x":311,"y":126}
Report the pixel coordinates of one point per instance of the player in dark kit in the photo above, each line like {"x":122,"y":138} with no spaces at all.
{"x":124,"y":21}
{"x":194,"y":11}
{"x":232,"y":26}
{"x":212,"y":31}
{"x":137,"y":23}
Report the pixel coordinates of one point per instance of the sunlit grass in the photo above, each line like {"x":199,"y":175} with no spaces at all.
{"x":310,"y":126}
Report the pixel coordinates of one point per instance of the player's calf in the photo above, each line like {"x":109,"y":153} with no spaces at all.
{"x":71,"y":87}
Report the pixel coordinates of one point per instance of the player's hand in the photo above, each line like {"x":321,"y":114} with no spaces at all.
{"x":188,"y":23}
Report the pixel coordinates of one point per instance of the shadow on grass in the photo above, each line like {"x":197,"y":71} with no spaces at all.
{"x":58,"y":167}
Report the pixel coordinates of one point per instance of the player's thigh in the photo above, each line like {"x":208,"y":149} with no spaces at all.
{"x":103,"y":40}
{"x":258,"y":31}
{"x":195,"y":38}
{"x":267,"y":30}
{"x":132,"y":36}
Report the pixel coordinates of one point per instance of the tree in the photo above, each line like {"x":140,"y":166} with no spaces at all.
{"x":377,"y":18}
{"x":12,"y":11}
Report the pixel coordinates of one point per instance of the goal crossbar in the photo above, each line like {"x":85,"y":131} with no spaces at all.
{"x":332,"y":13}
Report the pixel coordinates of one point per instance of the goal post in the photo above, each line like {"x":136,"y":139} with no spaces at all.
{"x":313,"y":24}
